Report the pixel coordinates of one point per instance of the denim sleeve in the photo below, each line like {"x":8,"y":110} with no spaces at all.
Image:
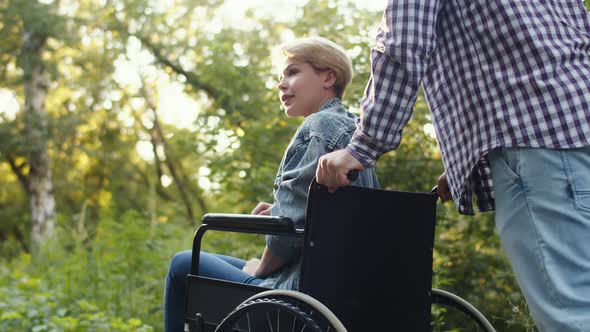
{"x":290,"y":196}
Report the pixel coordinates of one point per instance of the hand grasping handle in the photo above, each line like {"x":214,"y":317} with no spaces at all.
{"x":334,"y":168}
{"x":443,"y":191}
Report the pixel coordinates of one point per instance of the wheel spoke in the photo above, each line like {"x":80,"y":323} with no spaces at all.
{"x":258,"y":315}
{"x":269,"y":323}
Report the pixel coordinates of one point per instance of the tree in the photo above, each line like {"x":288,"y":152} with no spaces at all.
{"x":33,"y":25}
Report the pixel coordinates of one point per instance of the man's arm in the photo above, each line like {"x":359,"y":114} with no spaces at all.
{"x":406,"y":38}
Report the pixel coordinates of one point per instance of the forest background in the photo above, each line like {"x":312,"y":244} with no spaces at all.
{"x":123,"y":121}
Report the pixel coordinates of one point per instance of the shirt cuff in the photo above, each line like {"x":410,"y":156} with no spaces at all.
{"x":364,"y":149}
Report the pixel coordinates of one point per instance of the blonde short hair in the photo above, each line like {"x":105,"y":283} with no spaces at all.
{"x":321,"y":54}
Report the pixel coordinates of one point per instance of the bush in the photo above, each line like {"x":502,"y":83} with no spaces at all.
{"x":111,"y":279}
{"x":108,"y":281}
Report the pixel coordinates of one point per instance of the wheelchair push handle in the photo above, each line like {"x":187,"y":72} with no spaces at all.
{"x":353,"y":175}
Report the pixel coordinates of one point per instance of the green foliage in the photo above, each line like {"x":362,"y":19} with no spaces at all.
{"x":114,"y":282}
{"x":106,"y":270}
{"x":75,"y":286}
{"x":33,"y":307}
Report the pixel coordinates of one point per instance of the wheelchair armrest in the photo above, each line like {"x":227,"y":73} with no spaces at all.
{"x":242,"y":223}
{"x":248,"y":223}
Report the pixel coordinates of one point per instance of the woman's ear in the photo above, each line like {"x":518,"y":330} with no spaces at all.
{"x":329,"y":79}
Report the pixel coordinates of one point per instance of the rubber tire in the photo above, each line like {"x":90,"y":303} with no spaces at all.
{"x":295,"y":299}
{"x":442,"y":297}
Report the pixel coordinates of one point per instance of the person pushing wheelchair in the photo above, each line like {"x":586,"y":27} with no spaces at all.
{"x":507,"y":83}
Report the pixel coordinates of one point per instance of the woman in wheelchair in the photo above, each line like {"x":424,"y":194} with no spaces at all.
{"x":312,"y":83}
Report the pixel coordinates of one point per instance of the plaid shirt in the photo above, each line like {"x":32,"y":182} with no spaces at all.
{"x":496,"y":73}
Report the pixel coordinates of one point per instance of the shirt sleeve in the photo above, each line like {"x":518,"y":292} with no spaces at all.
{"x":405,"y":40}
{"x":290,"y":196}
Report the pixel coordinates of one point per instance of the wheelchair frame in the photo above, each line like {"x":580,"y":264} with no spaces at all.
{"x":315,"y":304}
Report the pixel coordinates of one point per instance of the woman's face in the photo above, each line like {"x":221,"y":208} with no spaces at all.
{"x":302,"y":89}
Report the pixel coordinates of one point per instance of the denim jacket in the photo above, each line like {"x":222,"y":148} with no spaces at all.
{"x":328,"y":130}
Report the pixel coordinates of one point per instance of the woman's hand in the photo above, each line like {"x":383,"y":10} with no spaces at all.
{"x":443,"y":190}
{"x":262,"y":209}
{"x":251,"y":266}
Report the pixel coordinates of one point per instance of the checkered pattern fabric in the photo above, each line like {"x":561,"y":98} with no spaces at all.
{"x":496,"y":73}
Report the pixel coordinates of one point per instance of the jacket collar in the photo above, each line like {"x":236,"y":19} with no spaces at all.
{"x":331,"y":103}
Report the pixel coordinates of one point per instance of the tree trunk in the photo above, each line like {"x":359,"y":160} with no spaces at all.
{"x":170,"y":163}
{"x":179,"y":177}
{"x":40,"y":189}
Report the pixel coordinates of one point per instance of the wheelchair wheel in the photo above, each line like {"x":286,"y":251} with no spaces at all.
{"x":452,"y":313}
{"x":280,"y":310}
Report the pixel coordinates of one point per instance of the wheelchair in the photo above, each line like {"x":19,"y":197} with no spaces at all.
{"x":351,"y":237}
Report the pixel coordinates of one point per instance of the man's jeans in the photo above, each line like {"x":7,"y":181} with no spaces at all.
{"x":210,"y":265}
{"x":543,"y":220}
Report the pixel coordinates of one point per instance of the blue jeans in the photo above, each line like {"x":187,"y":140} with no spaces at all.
{"x":543,"y":220}
{"x":210,"y":265}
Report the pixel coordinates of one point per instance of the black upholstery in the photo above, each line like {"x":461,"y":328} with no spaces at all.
{"x":368,"y":257}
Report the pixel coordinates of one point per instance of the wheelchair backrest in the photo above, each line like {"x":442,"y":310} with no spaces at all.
{"x":368,"y":256}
